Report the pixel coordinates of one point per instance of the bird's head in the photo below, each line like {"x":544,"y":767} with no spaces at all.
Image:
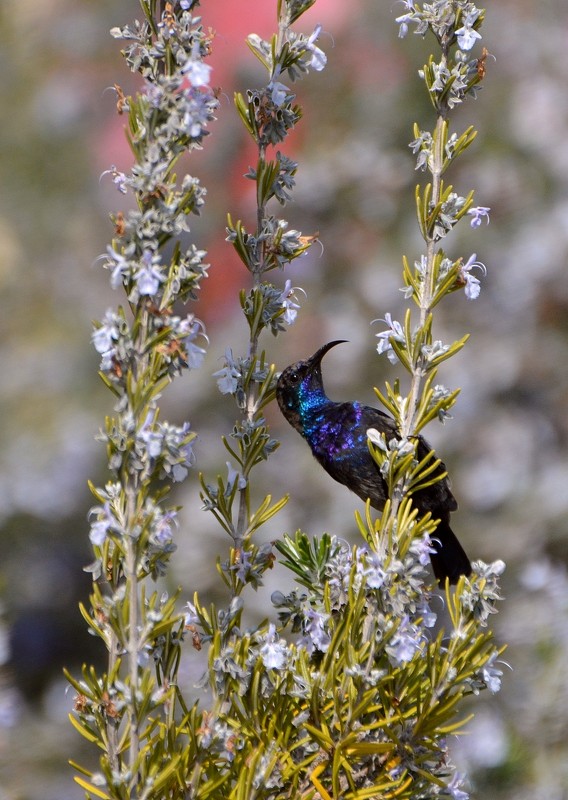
{"x":300,"y":386}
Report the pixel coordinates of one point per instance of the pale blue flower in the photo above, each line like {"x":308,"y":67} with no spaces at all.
{"x":187,"y":330}
{"x":274,"y":652}
{"x":106,"y":335}
{"x":191,"y":616}
{"x":315,"y":630}
{"x":288,"y":298}
{"x":395,"y":332}
{"x":233,"y":476}
{"x":319,"y":58}
{"x":103,"y":524}
{"x":278,"y":92}
{"x":404,"y":19}
{"x":422,"y":549}
{"x":466,"y":35}
{"x":199,"y":106}
{"x":164,"y":525}
{"x":454,"y":787}
{"x":434,"y":350}
{"x":492,"y":675}
{"x":118,"y":178}
{"x":428,"y":616}
{"x":243,"y":565}
{"x":228,"y":376}
{"x":197,"y":72}
{"x":377,"y":439}
{"x":151,"y":436}
{"x":119,"y":264}
{"x":403,"y":24}
{"x":478,"y":214}
{"x":149,"y":276}
{"x":374,"y":573}
{"x":472,"y":284}
{"x":406,"y":642}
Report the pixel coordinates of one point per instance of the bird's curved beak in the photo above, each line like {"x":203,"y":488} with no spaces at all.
{"x":319,"y":354}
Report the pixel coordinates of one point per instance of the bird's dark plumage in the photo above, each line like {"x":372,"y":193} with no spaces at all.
{"x":337,"y":435}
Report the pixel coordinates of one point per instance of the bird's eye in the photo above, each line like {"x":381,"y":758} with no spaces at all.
{"x":294,"y":377}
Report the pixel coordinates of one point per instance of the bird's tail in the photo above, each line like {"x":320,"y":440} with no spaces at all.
{"x":449,"y":560}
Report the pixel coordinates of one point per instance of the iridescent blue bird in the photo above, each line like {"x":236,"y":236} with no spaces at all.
{"x":337,"y":435}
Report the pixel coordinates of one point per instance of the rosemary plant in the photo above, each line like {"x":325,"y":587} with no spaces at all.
{"x":353,"y":687}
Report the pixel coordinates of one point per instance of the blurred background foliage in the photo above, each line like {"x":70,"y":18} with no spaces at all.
{"x":505,"y":447}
